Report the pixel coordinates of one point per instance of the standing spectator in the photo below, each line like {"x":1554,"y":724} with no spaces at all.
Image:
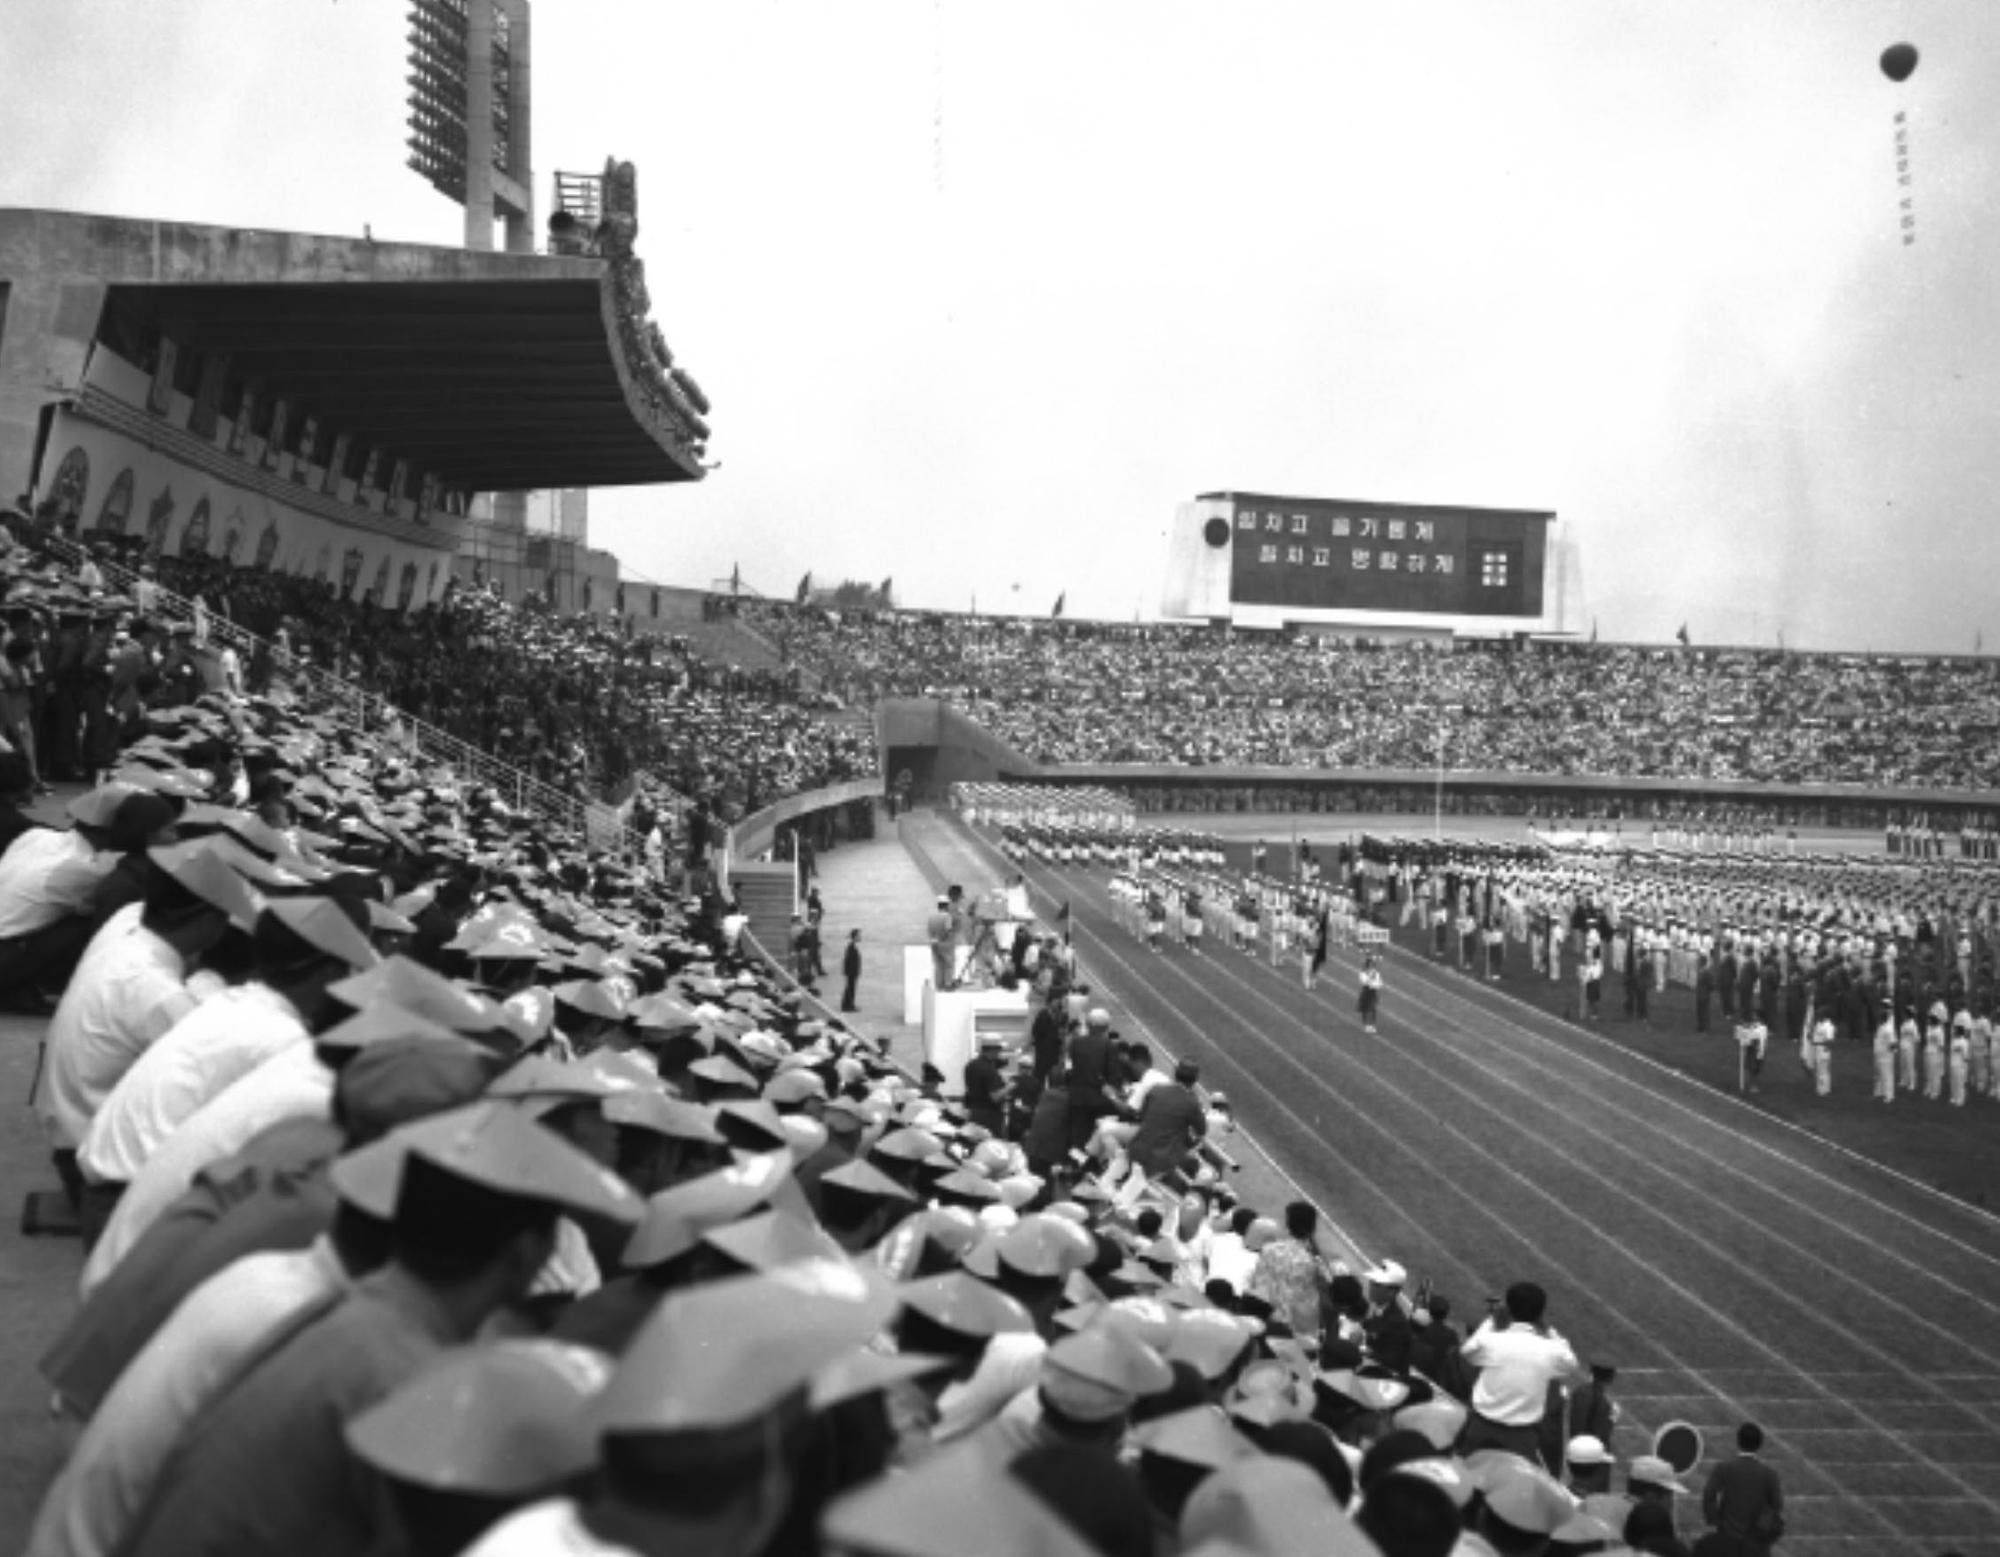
{"x":1744,"y":1498}
{"x":941,"y":929}
{"x":1045,"y":1037}
{"x":1291,"y":1277}
{"x":1518,"y":1356}
{"x":1592,"y":1411}
{"x":1171,"y":1121}
{"x":800,"y":939}
{"x":850,"y":968}
{"x":20,"y":669}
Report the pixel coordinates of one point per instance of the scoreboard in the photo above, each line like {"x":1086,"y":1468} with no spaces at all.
{"x":1251,"y":554}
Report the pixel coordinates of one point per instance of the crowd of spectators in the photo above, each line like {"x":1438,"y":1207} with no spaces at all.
{"x":576,"y":701}
{"x":445,"y":1189}
{"x":1202,"y":696}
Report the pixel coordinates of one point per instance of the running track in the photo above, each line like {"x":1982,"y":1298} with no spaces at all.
{"x":1730,"y":1268}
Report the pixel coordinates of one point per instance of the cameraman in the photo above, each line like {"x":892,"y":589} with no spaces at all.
{"x":1518,"y":1357}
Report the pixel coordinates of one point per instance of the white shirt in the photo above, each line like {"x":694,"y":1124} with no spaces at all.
{"x":548,"y":1529}
{"x":1229,"y":1260}
{"x":1011,"y":1363}
{"x":1516,"y":1366}
{"x":197,"y":1353}
{"x":1146,"y":1083}
{"x":125,"y":994}
{"x":224,"y":1038}
{"x":291,"y":1084}
{"x":46,"y":876}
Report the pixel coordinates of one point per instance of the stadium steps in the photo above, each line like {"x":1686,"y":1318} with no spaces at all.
{"x":369,"y":712}
{"x":769,"y":895}
{"x":731,"y":642}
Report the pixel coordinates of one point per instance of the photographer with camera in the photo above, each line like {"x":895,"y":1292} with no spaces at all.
{"x":1518,"y":1356}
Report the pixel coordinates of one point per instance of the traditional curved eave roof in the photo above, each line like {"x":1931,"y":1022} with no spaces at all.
{"x":494,"y":382}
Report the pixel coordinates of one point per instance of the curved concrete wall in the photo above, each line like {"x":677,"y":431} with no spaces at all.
{"x":754,"y":834}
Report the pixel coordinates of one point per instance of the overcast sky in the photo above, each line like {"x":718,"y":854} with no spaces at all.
{"x":981,"y":292}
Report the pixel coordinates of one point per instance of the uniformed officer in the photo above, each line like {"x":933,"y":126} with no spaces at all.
{"x":1906,"y":1054}
{"x":1959,"y":1056}
{"x":1751,"y":1038}
{"x":1822,"y":1043}
{"x":1885,"y":1061}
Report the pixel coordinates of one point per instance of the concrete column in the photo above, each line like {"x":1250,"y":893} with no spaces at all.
{"x":479,"y":124}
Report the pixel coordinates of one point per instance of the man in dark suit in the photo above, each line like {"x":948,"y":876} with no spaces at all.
{"x":986,"y":1086}
{"x":850,"y":968}
{"x":1386,"y":1328}
{"x":1171,"y":1120}
{"x":1743,"y":1498}
{"x":1093,"y":1069}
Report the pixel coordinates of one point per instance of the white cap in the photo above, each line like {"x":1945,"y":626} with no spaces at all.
{"x":1387,"y":1274}
{"x":1585,"y":1449}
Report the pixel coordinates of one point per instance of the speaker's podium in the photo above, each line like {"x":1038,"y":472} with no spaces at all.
{"x":956,"y":1020}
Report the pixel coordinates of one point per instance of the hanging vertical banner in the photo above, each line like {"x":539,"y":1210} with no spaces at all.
{"x":160,"y":396}
{"x":208,"y":397}
{"x":336,"y":463}
{"x":274,"y":441}
{"x":308,"y":446}
{"x":246,"y":413}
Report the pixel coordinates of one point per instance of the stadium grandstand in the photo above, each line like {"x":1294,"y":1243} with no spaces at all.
{"x":1432,"y":1084}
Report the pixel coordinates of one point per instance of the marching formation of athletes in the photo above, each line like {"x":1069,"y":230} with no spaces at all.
{"x":1894,"y":958}
{"x":1172,"y":888}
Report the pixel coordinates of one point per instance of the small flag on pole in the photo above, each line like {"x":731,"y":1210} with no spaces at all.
{"x":805,"y":588}
{"x":1683,"y":635}
{"x":736,"y":578}
{"x":1058,"y":611}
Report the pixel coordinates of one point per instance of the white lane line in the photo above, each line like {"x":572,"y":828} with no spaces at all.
{"x":1563,"y":1210}
{"x":1471,"y":1026}
{"x":1930,"y":1191}
{"x":1715,"y":1204}
{"x":1649,"y":1342}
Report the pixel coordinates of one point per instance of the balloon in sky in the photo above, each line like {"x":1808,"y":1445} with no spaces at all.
{"x":1899,"y":60}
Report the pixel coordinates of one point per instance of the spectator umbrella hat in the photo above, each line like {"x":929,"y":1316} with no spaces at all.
{"x":1652,"y":1471}
{"x":499,"y":1149}
{"x":1102,"y":1373}
{"x":723,"y":1354}
{"x":1387,"y":1274}
{"x":498,"y":1421}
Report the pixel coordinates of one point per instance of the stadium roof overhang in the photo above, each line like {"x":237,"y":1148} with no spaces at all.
{"x":505,"y":384}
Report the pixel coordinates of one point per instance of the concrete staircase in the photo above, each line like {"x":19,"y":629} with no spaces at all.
{"x":769,"y":895}
{"x":729,"y":642}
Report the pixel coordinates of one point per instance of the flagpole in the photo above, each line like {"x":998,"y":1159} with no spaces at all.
{"x":1437,"y":815}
